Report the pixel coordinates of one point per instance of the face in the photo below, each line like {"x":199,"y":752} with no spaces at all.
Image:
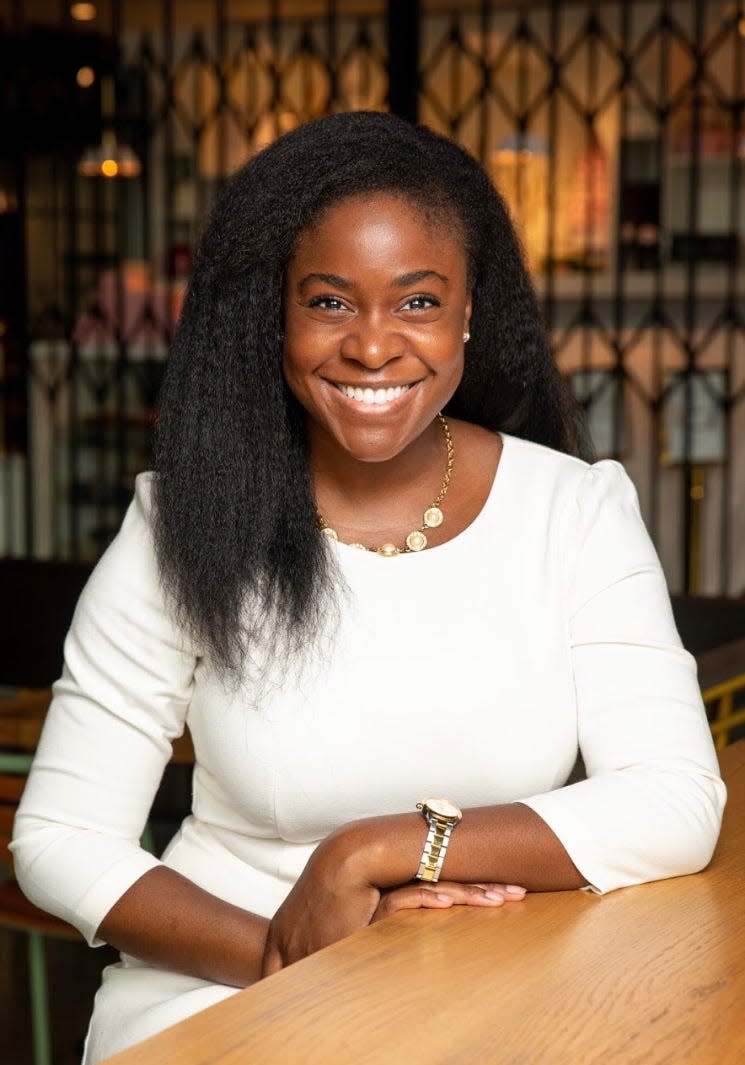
{"x":375,"y":309}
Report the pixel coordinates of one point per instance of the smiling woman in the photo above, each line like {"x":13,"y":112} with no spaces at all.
{"x":372,"y":565}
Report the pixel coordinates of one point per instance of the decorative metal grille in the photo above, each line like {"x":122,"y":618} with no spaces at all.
{"x":615,"y":131}
{"x":196,"y":91}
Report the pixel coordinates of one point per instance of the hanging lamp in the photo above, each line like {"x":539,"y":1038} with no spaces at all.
{"x":110,"y":158}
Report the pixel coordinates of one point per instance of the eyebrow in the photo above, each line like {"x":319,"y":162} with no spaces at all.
{"x":418,"y":275}
{"x":412,"y":278}
{"x":328,"y":279}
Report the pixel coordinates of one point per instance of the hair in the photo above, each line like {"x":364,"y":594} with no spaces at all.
{"x":238,"y":549}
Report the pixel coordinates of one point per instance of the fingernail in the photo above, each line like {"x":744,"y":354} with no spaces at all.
{"x":443,"y":898}
{"x":495,"y":896}
{"x":513,"y":889}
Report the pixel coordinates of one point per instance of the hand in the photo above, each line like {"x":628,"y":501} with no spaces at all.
{"x":443,"y":895}
{"x":331,"y":899}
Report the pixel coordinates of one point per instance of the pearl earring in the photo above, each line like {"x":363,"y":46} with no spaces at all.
{"x":466,"y":336}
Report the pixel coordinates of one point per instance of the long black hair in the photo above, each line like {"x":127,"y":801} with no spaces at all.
{"x":235,"y":532}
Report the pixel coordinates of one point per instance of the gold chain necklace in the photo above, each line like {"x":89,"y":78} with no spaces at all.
{"x":432,"y":519}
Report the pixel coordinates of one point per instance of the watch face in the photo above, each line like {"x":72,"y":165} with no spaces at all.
{"x":443,"y":808}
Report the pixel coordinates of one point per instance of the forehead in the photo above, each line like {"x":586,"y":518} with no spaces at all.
{"x":382,"y":227}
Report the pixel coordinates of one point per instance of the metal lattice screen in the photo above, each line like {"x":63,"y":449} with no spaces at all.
{"x":108,"y":261}
{"x":615,"y":131}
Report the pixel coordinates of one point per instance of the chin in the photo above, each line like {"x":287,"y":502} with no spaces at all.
{"x":367,"y":451}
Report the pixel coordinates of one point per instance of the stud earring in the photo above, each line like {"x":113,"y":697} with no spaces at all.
{"x":466,"y":336}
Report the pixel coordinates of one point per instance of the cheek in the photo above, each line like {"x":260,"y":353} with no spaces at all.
{"x":300,"y":378}
{"x":293,"y":375}
{"x":448,"y":356}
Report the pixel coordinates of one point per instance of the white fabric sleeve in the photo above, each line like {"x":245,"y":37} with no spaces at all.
{"x":652,"y":804}
{"x":121,"y":700}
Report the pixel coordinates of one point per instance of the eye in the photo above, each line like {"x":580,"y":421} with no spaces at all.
{"x":421,"y":303}
{"x":327,"y":303}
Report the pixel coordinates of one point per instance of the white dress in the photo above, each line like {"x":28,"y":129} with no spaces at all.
{"x":474,"y":670}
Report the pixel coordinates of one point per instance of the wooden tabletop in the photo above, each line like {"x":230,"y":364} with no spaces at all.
{"x":642,"y":976}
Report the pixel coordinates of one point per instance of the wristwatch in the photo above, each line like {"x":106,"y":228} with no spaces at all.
{"x":442,"y":816}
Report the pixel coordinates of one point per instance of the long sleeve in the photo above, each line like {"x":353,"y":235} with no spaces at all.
{"x":652,"y":804}
{"x":121,"y":700}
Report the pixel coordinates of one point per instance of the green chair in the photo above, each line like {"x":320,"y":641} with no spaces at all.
{"x":19,"y":915}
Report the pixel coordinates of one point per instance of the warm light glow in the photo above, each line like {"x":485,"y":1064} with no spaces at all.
{"x":519,"y":168}
{"x":83,"y":12}
{"x":109,"y":159}
{"x":8,"y":201}
{"x":85,"y":77}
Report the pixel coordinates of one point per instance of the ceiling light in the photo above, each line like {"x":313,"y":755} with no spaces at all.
{"x":109,"y":159}
{"x":85,"y":77}
{"x":83,"y":12}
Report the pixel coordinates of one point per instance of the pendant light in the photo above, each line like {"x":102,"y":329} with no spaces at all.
{"x":109,"y":159}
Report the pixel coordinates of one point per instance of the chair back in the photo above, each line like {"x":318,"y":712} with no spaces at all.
{"x":37,"y":600}
{"x":13,"y":770}
{"x":706,"y":622}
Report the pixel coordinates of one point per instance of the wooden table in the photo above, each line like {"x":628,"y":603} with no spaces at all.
{"x":645,"y":975}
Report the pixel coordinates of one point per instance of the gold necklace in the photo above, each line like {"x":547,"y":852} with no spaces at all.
{"x":432,"y":519}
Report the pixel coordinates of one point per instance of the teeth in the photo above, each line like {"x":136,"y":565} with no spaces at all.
{"x":373,"y":395}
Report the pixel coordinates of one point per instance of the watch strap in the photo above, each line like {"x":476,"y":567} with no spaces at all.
{"x":435,"y":848}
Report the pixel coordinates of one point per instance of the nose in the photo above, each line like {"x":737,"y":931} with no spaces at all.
{"x":372,"y":343}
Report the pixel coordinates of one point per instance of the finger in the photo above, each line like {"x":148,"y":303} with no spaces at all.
{"x":475,"y":894}
{"x":510,"y":892}
{"x":483,"y":894}
{"x":411,"y":898}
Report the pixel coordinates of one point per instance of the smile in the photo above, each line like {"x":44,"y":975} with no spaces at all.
{"x":373,"y":396}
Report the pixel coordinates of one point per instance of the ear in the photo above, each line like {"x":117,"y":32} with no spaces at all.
{"x":467,"y":313}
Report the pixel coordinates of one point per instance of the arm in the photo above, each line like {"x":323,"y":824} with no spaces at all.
{"x":168,"y":921}
{"x":340,"y":888}
{"x":122,"y":698}
{"x":508,"y":843}
{"x":652,"y":805}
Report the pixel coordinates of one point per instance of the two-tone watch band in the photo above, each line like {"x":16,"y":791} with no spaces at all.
{"x":442,"y":817}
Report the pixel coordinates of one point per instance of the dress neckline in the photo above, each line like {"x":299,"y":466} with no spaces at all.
{"x":349,"y":554}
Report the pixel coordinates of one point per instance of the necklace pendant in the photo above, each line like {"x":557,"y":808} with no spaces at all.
{"x":388,"y":550}
{"x":433,"y":517}
{"x":416,"y":541}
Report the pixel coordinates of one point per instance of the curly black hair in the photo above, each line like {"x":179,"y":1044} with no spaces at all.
{"x":235,"y":533}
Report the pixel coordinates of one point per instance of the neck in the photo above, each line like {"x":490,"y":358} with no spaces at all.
{"x":337,"y":475}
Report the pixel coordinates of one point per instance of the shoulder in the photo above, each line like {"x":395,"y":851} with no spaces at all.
{"x":130,"y":557}
{"x":573,"y":480}
{"x":544,"y":462}
{"x":141,"y":508}
{"x":572,"y":500}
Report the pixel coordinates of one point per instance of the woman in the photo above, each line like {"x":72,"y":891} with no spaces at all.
{"x":357,"y":603}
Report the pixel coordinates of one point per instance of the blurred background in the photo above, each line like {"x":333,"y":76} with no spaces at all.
{"x":616,"y":132}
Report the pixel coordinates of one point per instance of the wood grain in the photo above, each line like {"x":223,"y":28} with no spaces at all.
{"x":644,"y":976}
